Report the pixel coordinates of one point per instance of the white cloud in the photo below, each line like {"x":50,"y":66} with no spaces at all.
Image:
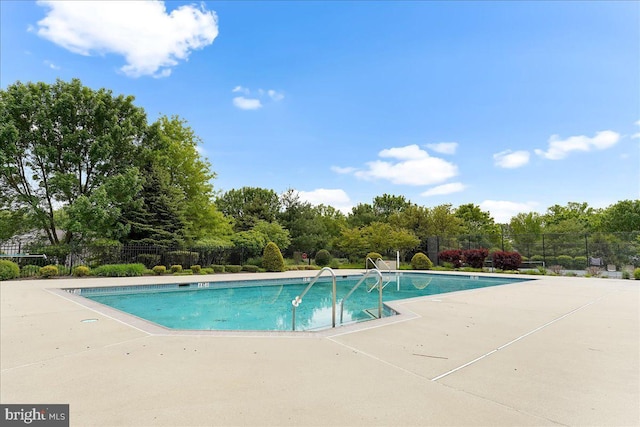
{"x":240,"y":89}
{"x":511,"y":159}
{"x":636,"y":135}
{"x":502,"y":211}
{"x":276,"y":96}
{"x":51,"y":65}
{"x":246,"y":103}
{"x":151,"y":40}
{"x":444,"y":147}
{"x":336,"y":198}
{"x":256,"y":101}
{"x":415,"y":168}
{"x":338,"y":169}
{"x":559,"y":149}
{"x":454,"y":187}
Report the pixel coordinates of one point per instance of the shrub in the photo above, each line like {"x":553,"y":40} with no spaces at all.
{"x":374,"y":257}
{"x":195,"y":269}
{"x":506,"y":260}
{"x":181,"y":257}
{"x":207,"y":270}
{"x":452,"y":256}
{"x":636,"y":274}
{"x":48,"y":271}
{"x":119,"y":270}
{"x":323,"y":257}
{"x":421,"y":262}
{"x":257,"y":261}
{"x":475,"y":257}
{"x":159,"y":270}
{"x":272,"y":258}
{"x":556,"y":269}
{"x":579,"y":262}
{"x":28,"y":270}
{"x":626,"y":274}
{"x":565,"y":261}
{"x":218,"y":268}
{"x":250,"y":268}
{"x":233,"y":268}
{"x":149,"y":260}
{"x":593,"y":272}
{"x":81,"y":271}
{"x":335,"y":264}
{"x":176,"y":268}
{"x":9,"y":270}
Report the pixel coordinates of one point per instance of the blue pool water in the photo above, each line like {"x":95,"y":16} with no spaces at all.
{"x":266,"y":304}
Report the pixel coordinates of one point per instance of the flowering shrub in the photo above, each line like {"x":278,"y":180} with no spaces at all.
{"x":506,"y":260}
{"x":475,"y":257}
{"x":452,"y":256}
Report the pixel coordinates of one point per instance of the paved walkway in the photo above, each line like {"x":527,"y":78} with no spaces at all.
{"x":555,"y":351}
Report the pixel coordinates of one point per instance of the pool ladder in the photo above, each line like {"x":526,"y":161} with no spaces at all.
{"x":376,"y":266}
{"x":298,"y":300}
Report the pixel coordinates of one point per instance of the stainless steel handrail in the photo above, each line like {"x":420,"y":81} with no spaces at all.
{"x":358,"y":284}
{"x":298,"y":300}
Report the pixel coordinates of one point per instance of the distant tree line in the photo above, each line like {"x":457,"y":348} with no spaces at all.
{"x":85,"y":166}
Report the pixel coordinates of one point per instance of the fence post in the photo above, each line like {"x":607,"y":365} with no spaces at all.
{"x":544,"y":254}
{"x":586,"y":248}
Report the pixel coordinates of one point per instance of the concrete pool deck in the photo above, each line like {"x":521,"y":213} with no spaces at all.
{"x":554,"y":351}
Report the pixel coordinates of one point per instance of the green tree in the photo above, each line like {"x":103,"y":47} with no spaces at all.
{"x":386,"y":205}
{"x":623,"y":216}
{"x":361,"y":215}
{"x":526,"y":229}
{"x":272,"y":259}
{"x":60,"y":142}
{"x":273,"y":232}
{"x":248,"y":205}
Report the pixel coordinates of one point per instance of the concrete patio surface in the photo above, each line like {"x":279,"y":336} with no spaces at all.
{"x":553,"y":351}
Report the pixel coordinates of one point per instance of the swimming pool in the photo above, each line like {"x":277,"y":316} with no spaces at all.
{"x":266,"y":305}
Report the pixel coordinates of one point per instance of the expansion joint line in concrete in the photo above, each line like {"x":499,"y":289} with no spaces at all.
{"x":539,"y":328}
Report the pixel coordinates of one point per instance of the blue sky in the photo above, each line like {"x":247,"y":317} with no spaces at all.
{"x":513,"y":106}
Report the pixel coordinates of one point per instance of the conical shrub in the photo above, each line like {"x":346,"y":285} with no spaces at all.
{"x":272,"y":258}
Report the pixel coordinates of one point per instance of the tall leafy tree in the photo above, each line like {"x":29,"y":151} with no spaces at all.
{"x":63,"y":141}
{"x":623,"y":216}
{"x":248,"y":205}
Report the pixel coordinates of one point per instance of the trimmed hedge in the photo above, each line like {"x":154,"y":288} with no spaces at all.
{"x":159,"y":270}
{"x":176,"y":268}
{"x":421,"y":262}
{"x":149,"y":260}
{"x":218,"y":268}
{"x":250,"y":268}
{"x":9,"y":270}
{"x":233,"y":268}
{"x":196,"y":269}
{"x":119,"y":270}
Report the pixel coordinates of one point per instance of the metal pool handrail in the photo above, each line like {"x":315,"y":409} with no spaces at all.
{"x":298,"y":300}
{"x":376,"y":271}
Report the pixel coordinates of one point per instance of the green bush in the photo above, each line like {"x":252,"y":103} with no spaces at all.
{"x":149,"y":260}
{"x":119,"y":270}
{"x":218,"y":268}
{"x":335,"y":263}
{"x":257,"y":261}
{"x":29,"y":270}
{"x":272,"y":258}
{"x":81,"y":271}
{"x":182,"y":257}
{"x":579,"y":262}
{"x":250,"y":268}
{"x":233,"y":268}
{"x":565,"y":261}
{"x":323,"y":257}
{"x":374,"y":257}
{"x":636,"y":274}
{"x":626,"y":274}
{"x":48,"y":271}
{"x":207,"y":270}
{"x":195,"y":269}
{"x":176,"y":268}
{"x":159,"y":270}
{"x":421,"y":262}
{"x":9,"y":270}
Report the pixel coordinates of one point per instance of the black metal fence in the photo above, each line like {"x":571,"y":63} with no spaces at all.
{"x":571,"y":251}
